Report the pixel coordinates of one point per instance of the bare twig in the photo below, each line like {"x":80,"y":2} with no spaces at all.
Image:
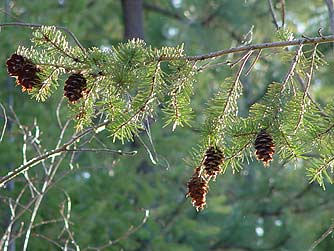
{"x":254,"y":62}
{"x":130,"y":231}
{"x":306,"y":91}
{"x":236,"y":81}
{"x":273,"y":14}
{"x":330,"y":8}
{"x":119,"y":152}
{"x":5,"y":123}
{"x":292,"y":67}
{"x":34,"y":161}
{"x":294,"y":42}
{"x":283,"y":12}
{"x":322,"y":237}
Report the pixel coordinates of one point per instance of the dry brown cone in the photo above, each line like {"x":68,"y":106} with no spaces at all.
{"x":25,"y":72}
{"x":214,"y":157}
{"x":265,"y":147}
{"x":74,"y":87}
{"x":197,"y":190}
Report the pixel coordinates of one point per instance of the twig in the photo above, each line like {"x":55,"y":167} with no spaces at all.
{"x":5,"y":123}
{"x":292,"y":67}
{"x":236,"y":81}
{"x":330,"y":8}
{"x":120,"y":152}
{"x":300,"y":41}
{"x":34,"y":161}
{"x":254,"y":62}
{"x":58,"y":112}
{"x":130,"y":231}
{"x":48,"y":239}
{"x":273,"y":15}
{"x":306,"y":91}
{"x":322,"y":237}
{"x":283,"y":12}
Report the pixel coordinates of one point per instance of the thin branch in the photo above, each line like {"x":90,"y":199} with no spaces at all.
{"x":254,"y":62}
{"x":322,"y":237}
{"x":166,"y":12}
{"x":294,"y":42}
{"x":34,"y":161}
{"x":330,"y":8}
{"x":120,"y":152}
{"x":283,"y":12}
{"x":273,"y":14}
{"x":292,"y":67}
{"x":130,"y":231}
{"x":307,"y":87}
{"x":5,"y":123}
{"x":236,"y":81}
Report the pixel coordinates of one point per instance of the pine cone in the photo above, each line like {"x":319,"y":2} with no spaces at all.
{"x":265,"y":148}
{"x":197,"y":190}
{"x":24,"y":70}
{"x":74,"y":87}
{"x":15,"y":64}
{"x":213,"y":159}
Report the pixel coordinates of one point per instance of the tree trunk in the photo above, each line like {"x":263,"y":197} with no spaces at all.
{"x":133,"y":19}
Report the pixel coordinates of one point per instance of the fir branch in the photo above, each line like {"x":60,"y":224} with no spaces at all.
{"x":142,"y":108}
{"x":34,"y":25}
{"x":58,"y":47}
{"x":317,"y":173}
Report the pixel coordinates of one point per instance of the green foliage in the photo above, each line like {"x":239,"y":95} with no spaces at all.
{"x":277,"y":200}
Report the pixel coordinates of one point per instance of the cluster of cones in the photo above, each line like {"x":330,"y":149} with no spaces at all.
{"x":26,"y":74}
{"x":211,"y":167}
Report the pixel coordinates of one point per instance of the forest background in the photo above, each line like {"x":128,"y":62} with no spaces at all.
{"x":137,"y":201}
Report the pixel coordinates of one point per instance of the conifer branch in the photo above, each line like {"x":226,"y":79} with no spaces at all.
{"x":34,"y":25}
{"x":143,"y":106}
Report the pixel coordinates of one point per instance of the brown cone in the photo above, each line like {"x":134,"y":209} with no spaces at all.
{"x":15,"y":64}
{"x":197,"y":190}
{"x":24,"y":70}
{"x":265,"y":148}
{"x":214,"y":157}
{"x":74,"y":87}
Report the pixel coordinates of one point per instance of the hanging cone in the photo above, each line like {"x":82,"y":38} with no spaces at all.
{"x":197,"y":190}
{"x":214,"y":157}
{"x":74,"y":87}
{"x":265,"y":148}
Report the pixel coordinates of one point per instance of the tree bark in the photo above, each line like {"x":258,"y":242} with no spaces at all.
{"x":133,"y":19}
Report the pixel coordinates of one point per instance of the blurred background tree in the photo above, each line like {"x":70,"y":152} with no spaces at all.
{"x":256,"y":209}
